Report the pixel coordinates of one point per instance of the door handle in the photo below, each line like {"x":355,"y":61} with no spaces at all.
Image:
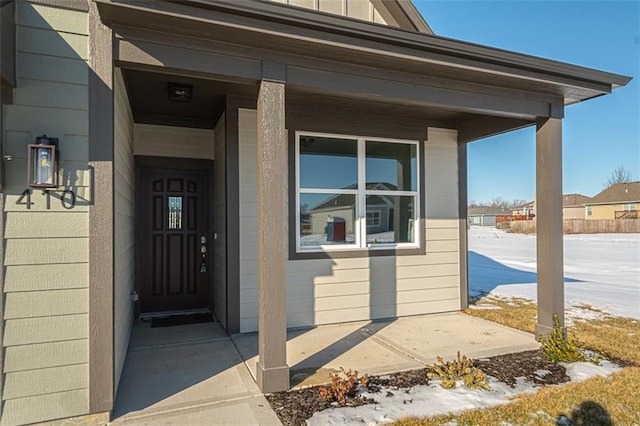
{"x":203,"y":252}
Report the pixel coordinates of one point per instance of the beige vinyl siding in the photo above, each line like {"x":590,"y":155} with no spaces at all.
{"x":167,"y":141}
{"x":358,"y":9}
{"x":326,"y":291}
{"x":605,"y":211}
{"x":45,"y":330}
{"x":124,"y":208}
{"x":248,"y":211}
{"x":577,"y":212}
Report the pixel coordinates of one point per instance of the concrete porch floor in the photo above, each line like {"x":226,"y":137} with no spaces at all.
{"x":188,"y":374}
{"x":196,"y":374}
{"x":383,"y":347}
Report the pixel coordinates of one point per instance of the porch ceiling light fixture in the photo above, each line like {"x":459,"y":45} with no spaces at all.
{"x":180,"y":92}
{"x":42,"y":163}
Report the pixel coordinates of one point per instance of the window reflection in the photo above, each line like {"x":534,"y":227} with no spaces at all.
{"x":175,"y":212}
{"x":392,"y":166}
{"x":330,"y":163}
{"x":327,"y":219}
{"x":390,"y":219}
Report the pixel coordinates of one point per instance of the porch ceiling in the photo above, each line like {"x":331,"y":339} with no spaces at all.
{"x":150,"y":104}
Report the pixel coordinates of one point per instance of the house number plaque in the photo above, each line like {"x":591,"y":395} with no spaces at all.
{"x":67,"y":198}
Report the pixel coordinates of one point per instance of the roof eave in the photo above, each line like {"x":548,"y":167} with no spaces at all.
{"x":519,"y":65}
{"x":612,"y":202}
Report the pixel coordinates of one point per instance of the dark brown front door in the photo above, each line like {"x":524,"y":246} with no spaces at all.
{"x":172,"y":240}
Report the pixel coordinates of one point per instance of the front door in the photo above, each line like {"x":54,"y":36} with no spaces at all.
{"x":172,"y":240}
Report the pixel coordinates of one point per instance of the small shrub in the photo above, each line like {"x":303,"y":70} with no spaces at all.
{"x":476,"y":379}
{"x":340,"y":389}
{"x":460,"y":369}
{"x":558,"y":347}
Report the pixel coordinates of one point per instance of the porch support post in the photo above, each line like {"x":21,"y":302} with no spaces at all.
{"x":549,"y":223}
{"x":272,"y":369}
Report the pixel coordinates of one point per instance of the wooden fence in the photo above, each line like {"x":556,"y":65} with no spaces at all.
{"x":582,"y":226}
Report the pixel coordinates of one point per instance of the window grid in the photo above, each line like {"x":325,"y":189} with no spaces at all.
{"x":360,"y":226}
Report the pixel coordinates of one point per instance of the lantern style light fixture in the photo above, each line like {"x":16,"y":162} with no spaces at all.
{"x":42,"y":163}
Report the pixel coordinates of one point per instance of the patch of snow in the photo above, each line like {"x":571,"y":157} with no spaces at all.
{"x":581,"y":371}
{"x":542,"y":373}
{"x":601,"y":270}
{"x":392,"y":404}
{"x":420,"y":401}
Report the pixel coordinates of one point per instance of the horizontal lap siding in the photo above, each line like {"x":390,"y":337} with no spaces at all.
{"x":325,"y":291}
{"x":358,"y":9}
{"x":248,"y":211}
{"x":124,"y":208}
{"x":160,"y":141}
{"x":45,"y":324}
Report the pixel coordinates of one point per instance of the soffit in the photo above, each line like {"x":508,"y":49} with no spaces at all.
{"x":268,"y":25}
{"x":150,"y":104}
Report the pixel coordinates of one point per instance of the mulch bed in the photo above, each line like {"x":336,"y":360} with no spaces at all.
{"x":295,"y":406}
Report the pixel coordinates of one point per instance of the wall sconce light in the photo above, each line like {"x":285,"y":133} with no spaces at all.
{"x":42,"y":163}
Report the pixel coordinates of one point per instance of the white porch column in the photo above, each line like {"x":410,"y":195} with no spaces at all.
{"x":549,"y":223}
{"x":272,"y":370}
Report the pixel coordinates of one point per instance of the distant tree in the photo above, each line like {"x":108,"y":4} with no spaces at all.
{"x":618,"y":175}
{"x":517,"y":203}
{"x":499,"y":202}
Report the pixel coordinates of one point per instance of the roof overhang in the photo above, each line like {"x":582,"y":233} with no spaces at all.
{"x":376,"y":61}
{"x":604,"y":203}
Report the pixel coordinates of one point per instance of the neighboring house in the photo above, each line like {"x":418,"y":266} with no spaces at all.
{"x":379,"y":212}
{"x":619,"y":201}
{"x":191,"y":134}
{"x":485,"y":215}
{"x":573,"y":206}
{"x":526,"y":209}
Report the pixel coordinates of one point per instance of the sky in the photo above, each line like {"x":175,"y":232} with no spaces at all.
{"x":598,"y":135}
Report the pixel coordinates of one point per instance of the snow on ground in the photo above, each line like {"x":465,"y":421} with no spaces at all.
{"x":431,"y":400}
{"x":601,"y":270}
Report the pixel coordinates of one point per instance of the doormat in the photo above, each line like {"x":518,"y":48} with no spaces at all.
{"x":180,"y":320}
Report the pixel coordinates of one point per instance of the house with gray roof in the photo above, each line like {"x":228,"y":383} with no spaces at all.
{"x":485,"y":215}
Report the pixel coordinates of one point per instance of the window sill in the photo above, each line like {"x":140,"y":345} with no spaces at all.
{"x":354,"y":253}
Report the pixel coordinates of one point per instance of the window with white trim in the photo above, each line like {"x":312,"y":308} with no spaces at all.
{"x":356,"y":192}
{"x":373,"y":218}
{"x":629,"y":207}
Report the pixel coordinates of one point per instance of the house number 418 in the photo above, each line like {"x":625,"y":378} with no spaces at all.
{"x":67,"y":198}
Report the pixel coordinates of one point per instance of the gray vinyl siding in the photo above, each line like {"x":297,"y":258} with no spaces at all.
{"x":220,"y":224}
{"x":358,"y":9}
{"x":323,"y":291}
{"x":124,"y":208}
{"x":45,"y":328}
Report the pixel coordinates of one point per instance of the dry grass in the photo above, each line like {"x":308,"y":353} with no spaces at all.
{"x":613,"y":337}
{"x":515,"y":313}
{"x":597,"y":401}
{"x":617,"y":401}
